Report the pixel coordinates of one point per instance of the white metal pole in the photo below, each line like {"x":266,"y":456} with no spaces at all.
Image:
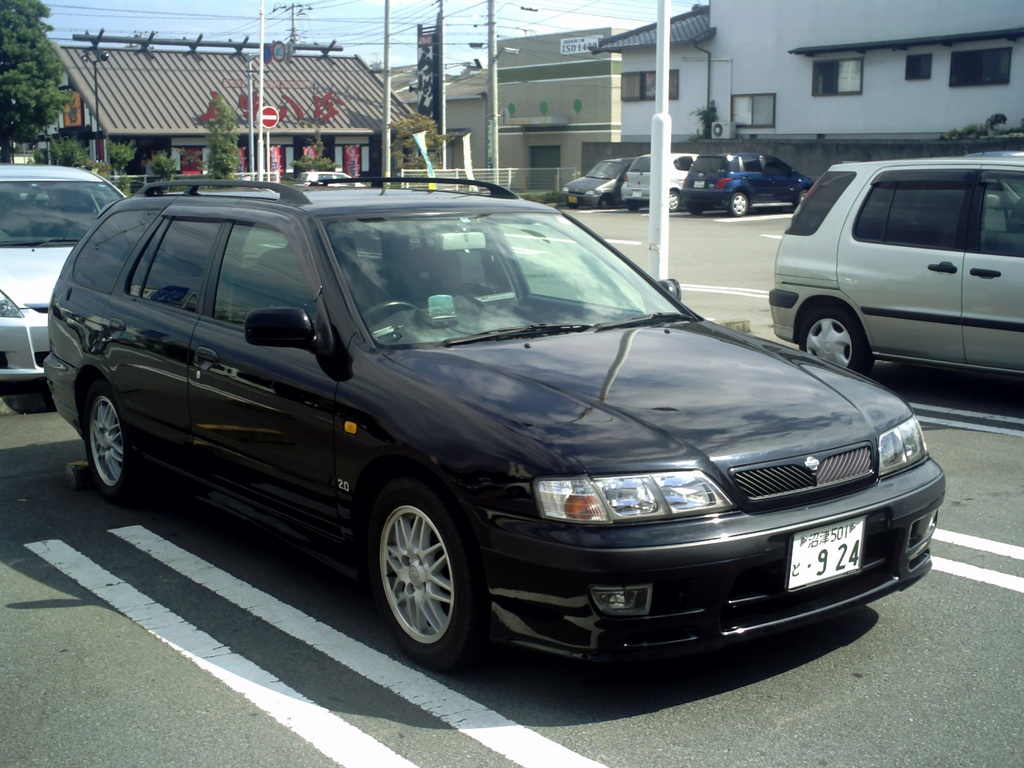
{"x":259,"y":117}
{"x":492,"y":89}
{"x":661,"y":145}
{"x":385,"y":133}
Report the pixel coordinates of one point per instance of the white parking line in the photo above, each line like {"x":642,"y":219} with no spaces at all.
{"x":982,"y":545}
{"x":984,"y":575}
{"x":753,"y":293}
{"x":333,"y":736}
{"x":516,"y":742}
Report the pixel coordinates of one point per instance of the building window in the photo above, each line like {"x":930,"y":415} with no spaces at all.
{"x":919,"y":66}
{"x":755,"y":110}
{"x":988,"y":66}
{"x":640,"y":86}
{"x":838,"y":77}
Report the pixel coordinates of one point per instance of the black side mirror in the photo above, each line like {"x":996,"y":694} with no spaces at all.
{"x":279,"y":327}
{"x":672,"y":287}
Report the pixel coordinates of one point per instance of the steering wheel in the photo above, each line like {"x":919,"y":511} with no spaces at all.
{"x":393,"y":306}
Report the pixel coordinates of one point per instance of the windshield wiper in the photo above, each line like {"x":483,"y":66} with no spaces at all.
{"x":654,"y":318}
{"x":518,"y":332}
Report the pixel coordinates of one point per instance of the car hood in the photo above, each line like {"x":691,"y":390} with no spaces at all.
{"x":27,"y":275}
{"x":685,"y":394}
{"x":585,"y":183}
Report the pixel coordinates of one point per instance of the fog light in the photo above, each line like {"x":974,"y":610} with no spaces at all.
{"x":631,"y":600}
{"x":921,"y":533}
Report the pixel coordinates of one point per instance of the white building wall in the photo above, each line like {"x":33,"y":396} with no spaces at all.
{"x":750,"y":55}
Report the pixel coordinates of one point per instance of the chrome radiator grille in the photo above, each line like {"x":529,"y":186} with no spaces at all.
{"x":804,"y":473}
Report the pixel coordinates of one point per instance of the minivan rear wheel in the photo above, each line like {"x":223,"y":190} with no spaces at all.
{"x":115,"y":468}
{"x":834,"y":333}
{"x":673,"y":200}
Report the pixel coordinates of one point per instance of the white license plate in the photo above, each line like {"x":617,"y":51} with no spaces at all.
{"x":830,"y":552}
{"x":698,"y":184}
{"x":637,"y":193}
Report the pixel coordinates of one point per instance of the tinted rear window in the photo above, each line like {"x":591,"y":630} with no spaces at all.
{"x":925,"y":213}
{"x":641,"y":164}
{"x":819,"y":201}
{"x":100,"y":261}
{"x":709,"y":164}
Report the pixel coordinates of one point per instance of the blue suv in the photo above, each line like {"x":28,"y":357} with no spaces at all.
{"x":738,"y":182}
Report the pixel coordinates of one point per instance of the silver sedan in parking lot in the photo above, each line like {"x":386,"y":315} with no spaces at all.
{"x":44,"y":211}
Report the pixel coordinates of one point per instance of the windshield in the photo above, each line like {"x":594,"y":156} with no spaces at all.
{"x":35,"y":212}
{"x":606,"y":169}
{"x":499,"y":275}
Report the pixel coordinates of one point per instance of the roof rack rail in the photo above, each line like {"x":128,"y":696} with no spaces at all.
{"x":495,"y":190}
{"x":192,"y":187}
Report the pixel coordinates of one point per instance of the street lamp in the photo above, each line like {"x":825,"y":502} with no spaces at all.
{"x":95,"y":56}
{"x":493,"y":156}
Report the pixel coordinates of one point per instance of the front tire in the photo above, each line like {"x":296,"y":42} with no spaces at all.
{"x":424,"y":581}
{"x":835,"y":334}
{"x":116,"y":470}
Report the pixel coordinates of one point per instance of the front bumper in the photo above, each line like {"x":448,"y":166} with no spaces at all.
{"x":706,"y":593}
{"x":24,"y":343}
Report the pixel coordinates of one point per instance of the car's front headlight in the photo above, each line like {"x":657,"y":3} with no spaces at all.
{"x":630,"y":498}
{"x":565,"y":189}
{"x":901,"y":447}
{"x":8,"y":308}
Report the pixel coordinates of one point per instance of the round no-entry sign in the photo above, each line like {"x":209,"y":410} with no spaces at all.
{"x":269,"y":116}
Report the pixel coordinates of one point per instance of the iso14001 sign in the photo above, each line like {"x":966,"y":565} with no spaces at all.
{"x":572,"y":45}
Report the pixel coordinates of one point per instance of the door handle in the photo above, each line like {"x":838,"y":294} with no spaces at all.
{"x":985,"y":274}
{"x":945,"y":266}
{"x":206,"y":357}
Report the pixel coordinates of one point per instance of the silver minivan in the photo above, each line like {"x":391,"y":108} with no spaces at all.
{"x":636,"y":189}
{"x":919,"y":261}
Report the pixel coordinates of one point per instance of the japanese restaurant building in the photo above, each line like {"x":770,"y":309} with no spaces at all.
{"x":159,"y":94}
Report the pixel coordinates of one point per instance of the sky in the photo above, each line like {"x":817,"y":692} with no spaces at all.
{"x":356,"y":25}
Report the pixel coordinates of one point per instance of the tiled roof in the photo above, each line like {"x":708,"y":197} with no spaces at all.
{"x":687,"y":28}
{"x":169,"y":92}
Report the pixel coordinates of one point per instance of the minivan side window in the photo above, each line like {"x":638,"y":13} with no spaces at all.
{"x":260,"y":270}
{"x":915,"y":211}
{"x":1002,"y":213}
{"x":818,"y":201}
{"x":176,"y":271}
{"x":101,"y":259}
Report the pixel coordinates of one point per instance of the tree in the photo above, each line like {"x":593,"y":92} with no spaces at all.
{"x":404,"y":152}
{"x":223,"y":140}
{"x":30,"y":74}
{"x":66,"y":151}
{"x":119,"y":155}
{"x":316,"y":162}
{"x":164,"y":166}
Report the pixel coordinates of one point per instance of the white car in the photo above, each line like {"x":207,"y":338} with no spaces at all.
{"x":916,"y":261}
{"x":636,"y":189}
{"x":44,"y":211}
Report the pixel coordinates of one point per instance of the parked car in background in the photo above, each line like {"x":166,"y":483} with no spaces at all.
{"x":601,"y":187}
{"x":740,"y":182}
{"x":44,"y":211}
{"x":312,"y":177}
{"x":920,"y":261}
{"x":636,"y":190}
{"x":507,"y":426}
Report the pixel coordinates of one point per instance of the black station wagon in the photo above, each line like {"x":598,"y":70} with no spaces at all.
{"x":509,"y":428}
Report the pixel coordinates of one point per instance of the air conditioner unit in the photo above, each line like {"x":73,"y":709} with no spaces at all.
{"x":723,"y":130}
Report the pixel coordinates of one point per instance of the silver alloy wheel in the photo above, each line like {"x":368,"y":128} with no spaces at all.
{"x":830,"y":340}
{"x":738,"y":204}
{"x":106,"y":442}
{"x":416,"y":574}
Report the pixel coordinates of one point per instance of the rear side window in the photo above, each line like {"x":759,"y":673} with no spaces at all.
{"x":818,"y":201}
{"x":683,"y":163}
{"x":175,"y":271}
{"x":1001,"y":228}
{"x":101,"y":259}
{"x":917,"y":210}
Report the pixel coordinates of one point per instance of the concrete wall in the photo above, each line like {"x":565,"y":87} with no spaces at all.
{"x":813,"y":157}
